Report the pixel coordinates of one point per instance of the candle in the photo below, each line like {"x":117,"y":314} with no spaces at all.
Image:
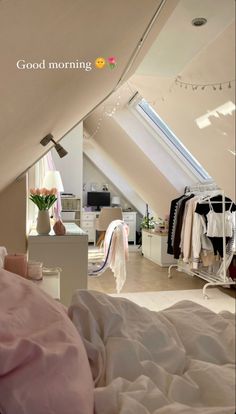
{"x":35,"y":270}
{"x":16,"y":263}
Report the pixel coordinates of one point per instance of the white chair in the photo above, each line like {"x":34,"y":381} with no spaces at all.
{"x":106,"y":216}
{"x":116,"y":253}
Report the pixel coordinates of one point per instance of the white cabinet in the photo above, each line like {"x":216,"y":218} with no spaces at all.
{"x":88,"y":219}
{"x":69,"y":252}
{"x":154,"y":247}
{"x":129,"y":218}
{"x":88,"y":224}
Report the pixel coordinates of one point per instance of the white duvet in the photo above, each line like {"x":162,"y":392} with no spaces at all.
{"x":179,"y":360}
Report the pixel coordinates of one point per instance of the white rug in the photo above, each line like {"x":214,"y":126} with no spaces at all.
{"x":217,"y":302}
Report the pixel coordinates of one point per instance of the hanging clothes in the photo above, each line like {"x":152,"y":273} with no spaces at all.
{"x":212,"y":212}
{"x":215,"y":220}
{"x":174,"y":208}
{"x":186,"y":233}
{"x":177,"y":237}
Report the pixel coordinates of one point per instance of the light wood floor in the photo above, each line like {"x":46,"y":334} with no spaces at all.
{"x":144,"y":276}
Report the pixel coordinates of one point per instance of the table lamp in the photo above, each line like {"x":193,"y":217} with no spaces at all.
{"x":52,"y":179}
{"x":115,"y":201}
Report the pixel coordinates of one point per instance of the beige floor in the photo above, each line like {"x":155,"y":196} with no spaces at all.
{"x":146,"y":276}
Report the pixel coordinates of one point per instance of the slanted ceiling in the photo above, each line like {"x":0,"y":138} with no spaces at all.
{"x":36,"y":102}
{"x":202,"y":55}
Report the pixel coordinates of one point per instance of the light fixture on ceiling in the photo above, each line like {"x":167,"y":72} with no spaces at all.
{"x":199,"y":21}
{"x":59,"y":149}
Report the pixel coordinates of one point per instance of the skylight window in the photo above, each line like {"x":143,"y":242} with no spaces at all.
{"x":150,"y":115}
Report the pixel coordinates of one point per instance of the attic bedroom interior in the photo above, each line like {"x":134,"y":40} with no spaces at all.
{"x":117,"y":206}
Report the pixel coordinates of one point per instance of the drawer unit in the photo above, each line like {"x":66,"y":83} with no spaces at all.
{"x":88,"y":216}
{"x":88,"y":224}
{"x":91,"y":234}
{"x":129,"y":218}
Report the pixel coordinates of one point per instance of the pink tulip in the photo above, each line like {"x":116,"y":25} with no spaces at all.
{"x":37,"y":191}
{"x":32,"y":191}
{"x":53,"y":191}
{"x":43,"y":191}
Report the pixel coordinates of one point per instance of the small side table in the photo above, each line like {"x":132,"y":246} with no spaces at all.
{"x":50,"y":284}
{"x":69,"y":252}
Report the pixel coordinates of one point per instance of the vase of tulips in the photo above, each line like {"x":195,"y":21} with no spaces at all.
{"x":44,"y":199}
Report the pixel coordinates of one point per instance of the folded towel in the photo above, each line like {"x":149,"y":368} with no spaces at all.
{"x":3,"y":253}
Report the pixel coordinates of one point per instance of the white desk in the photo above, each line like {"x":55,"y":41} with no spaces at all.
{"x":88,"y":224}
{"x":69,"y":252}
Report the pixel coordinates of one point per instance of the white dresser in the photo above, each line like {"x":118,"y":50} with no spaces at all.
{"x":69,"y":252}
{"x":88,"y":224}
{"x":154,"y":248}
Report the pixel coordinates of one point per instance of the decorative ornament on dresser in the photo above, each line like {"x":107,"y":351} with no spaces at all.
{"x":59,"y":228}
{"x":44,"y":199}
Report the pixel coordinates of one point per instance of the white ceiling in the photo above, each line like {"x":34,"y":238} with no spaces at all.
{"x":179,"y":41}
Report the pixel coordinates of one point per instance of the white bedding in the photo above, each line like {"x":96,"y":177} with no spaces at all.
{"x":180,"y":360}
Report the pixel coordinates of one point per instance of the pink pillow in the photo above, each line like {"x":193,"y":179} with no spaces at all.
{"x":43,"y":363}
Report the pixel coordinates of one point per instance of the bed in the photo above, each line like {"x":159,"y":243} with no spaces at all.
{"x":107,"y":355}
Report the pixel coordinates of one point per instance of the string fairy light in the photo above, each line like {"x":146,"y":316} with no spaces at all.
{"x":109,"y":110}
{"x":203,"y":86}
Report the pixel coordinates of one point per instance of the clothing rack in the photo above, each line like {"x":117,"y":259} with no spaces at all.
{"x":220,"y":278}
{"x":201,"y":187}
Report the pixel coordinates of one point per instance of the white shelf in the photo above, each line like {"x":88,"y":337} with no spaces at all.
{"x":70,"y":209}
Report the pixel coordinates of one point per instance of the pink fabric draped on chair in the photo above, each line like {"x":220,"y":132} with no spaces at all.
{"x":118,"y":254}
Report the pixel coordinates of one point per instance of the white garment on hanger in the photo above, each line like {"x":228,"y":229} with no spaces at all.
{"x":215,"y":222}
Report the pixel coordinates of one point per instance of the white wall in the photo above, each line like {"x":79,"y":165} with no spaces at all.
{"x":142,"y":176}
{"x":91,"y":175}
{"x":71,"y":166}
